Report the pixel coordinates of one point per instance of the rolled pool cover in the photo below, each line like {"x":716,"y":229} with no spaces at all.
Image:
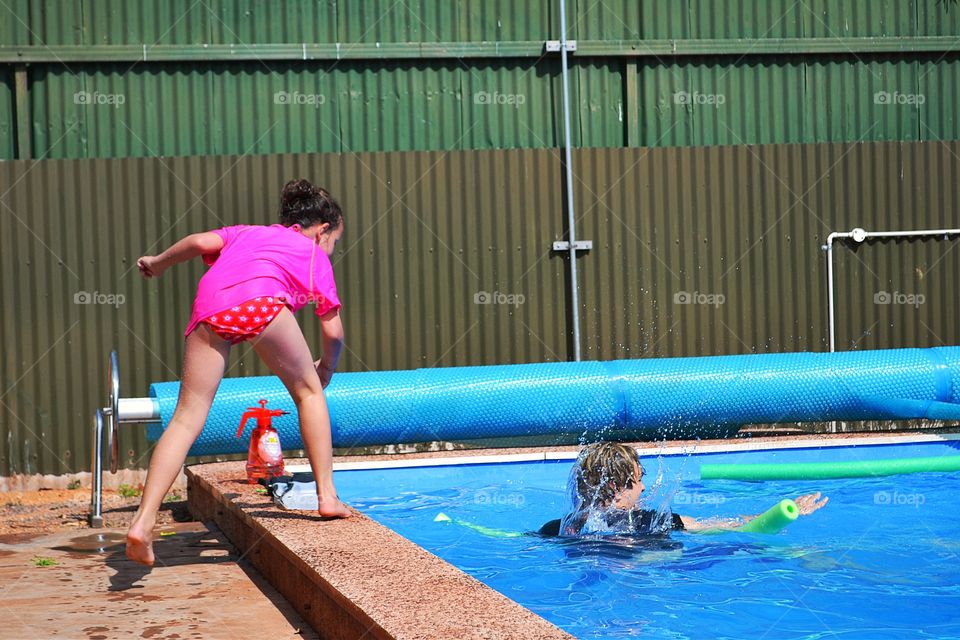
{"x":828,"y":470}
{"x":653,"y":398}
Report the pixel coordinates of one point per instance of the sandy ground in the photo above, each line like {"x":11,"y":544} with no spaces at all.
{"x":52,"y":510}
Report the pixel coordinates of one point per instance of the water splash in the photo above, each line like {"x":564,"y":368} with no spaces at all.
{"x":591,"y":508}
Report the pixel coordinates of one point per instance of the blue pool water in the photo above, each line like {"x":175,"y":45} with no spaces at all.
{"x":879,"y":561}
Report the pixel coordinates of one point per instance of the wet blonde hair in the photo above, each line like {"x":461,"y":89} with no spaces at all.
{"x":606,"y":468}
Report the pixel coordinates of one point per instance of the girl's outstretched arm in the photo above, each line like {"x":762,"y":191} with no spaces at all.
{"x":194,"y":245}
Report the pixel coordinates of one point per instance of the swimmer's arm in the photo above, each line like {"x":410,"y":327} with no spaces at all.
{"x":806,"y":504}
{"x":194,"y":245}
{"x":332,"y":327}
{"x":725,"y":524}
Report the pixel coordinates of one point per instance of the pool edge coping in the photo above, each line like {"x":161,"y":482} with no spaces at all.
{"x":673,"y":448}
{"x":355,"y":578}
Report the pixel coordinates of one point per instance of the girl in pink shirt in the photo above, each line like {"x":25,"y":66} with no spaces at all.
{"x":258,"y":276}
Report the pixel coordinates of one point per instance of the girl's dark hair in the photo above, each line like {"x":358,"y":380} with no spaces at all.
{"x":304,"y":204}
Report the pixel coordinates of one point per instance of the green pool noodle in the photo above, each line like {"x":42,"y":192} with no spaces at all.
{"x":828,"y":470}
{"x":773,"y":519}
{"x":487,"y":531}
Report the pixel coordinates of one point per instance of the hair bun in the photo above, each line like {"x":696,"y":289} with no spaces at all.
{"x":298,"y":190}
{"x":303,"y":203}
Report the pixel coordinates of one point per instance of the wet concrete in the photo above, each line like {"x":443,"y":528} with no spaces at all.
{"x":79,"y":584}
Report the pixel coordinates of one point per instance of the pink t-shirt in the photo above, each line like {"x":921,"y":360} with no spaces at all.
{"x":261,"y":260}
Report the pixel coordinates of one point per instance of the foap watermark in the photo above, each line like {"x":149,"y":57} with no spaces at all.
{"x":896,"y":498}
{"x":298,"y":98}
{"x":896,"y":98}
{"x":498,"y":297}
{"x":499,"y":498}
{"x":897,"y":297}
{"x":297,"y":299}
{"x":500,"y":99}
{"x":96,"y":98}
{"x":695,"y":497}
{"x":699,"y":297}
{"x":697,"y":98}
{"x":86,"y":297}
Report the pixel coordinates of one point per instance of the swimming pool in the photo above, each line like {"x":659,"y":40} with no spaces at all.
{"x":880,"y":561}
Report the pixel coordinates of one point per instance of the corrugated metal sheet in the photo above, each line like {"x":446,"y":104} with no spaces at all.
{"x":481,"y":20}
{"x":889,"y":18}
{"x":674,"y":227}
{"x":428,"y":232}
{"x":409,"y":105}
{"x":8,"y":123}
{"x":708,"y":19}
{"x":241,"y":108}
{"x":509,"y":104}
{"x":14,"y":27}
{"x":598,"y":102}
{"x":213,"y":108}
{"x":708,"y":102}
{"x":939,"y":84}
{"x":263,"y":21}
{"x":938,"y":18}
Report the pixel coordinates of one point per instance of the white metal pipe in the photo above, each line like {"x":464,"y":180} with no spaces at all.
{"x":860,"y":235}
{"x":571,"y":219}
{"x":138,"y":410}
{"x":830,"y":312}
{"x":893,"y":234}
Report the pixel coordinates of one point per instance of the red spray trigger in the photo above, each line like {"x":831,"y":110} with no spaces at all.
{"x":262,"y":414}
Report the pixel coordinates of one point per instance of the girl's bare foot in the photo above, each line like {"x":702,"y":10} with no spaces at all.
{"x":333,"y":508}
{"x":140,"y":544}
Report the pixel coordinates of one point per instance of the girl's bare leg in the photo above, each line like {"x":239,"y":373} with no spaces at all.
{"x":284,"y":349}
{"x":203,"y":365}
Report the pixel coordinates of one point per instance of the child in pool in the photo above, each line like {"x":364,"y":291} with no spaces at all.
{"x":259,"y":275}
{"x":609,"y":480}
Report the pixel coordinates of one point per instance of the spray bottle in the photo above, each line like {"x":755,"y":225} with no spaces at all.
{"x":265,"y":458}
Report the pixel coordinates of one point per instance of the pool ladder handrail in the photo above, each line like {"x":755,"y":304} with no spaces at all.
{"x":135,"y":410}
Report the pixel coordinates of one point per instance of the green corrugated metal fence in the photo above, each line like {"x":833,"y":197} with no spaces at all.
{"x":711,"y":250}
{"x":112,"y":79}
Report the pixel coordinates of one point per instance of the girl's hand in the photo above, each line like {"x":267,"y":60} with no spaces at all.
{"x":325,"y":373}
{"x":150,"y":267}
{"x":808,"y":503}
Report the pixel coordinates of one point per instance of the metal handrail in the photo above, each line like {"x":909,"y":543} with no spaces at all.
{"x":118,"y":411}
{"x":96,"y":467}
{"x":113,"y":411}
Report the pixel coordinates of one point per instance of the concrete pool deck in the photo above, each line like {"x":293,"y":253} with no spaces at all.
{"x":79,"y":584}
{"x":356,"y":578}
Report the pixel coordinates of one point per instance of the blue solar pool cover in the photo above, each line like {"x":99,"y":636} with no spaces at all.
{"x":591,"y":398}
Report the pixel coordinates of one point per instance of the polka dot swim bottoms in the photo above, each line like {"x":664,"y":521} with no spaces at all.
{"x":246,"y":320}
